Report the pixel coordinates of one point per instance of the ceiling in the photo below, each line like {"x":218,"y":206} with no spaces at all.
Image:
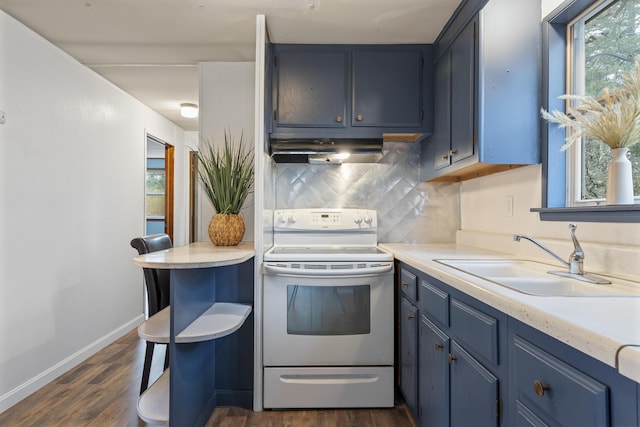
{"x":151,"y":48}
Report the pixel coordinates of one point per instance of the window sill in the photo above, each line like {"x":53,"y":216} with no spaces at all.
{"x":610,"y":213}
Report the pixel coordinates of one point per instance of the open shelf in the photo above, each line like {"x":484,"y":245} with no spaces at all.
{"x":222,"y":318}
{"x":156,"y":328}
{"x":153,"y":404}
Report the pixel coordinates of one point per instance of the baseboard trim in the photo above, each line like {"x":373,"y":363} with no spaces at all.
{"x":34,"y":384}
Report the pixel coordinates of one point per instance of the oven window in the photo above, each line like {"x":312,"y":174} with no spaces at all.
{"x":328,"y":310}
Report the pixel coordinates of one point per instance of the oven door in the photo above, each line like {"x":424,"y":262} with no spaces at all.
{"x":312,"y":318}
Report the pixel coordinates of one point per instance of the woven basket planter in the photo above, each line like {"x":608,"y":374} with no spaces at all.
{"x":226,"y":229}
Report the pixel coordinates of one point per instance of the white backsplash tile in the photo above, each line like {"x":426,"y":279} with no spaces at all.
{"x":409,"y":211}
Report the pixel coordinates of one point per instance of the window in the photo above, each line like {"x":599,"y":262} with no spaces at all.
{"x":603,"y":42}
{"x":579,"y":26}
{"x":155,"y":196}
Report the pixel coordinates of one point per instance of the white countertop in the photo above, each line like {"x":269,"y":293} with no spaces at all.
{"x":605,"y":328}
{"x":197,"y":255}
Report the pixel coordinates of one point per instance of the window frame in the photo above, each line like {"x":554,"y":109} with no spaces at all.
{"x":554,"y":161}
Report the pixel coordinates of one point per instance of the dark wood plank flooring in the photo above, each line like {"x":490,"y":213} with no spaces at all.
{"x":103,"y":390}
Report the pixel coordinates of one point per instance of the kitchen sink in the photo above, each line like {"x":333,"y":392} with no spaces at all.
{"x":534,"y":278}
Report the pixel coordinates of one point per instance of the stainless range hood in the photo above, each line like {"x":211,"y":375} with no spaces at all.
{"x":326,"y":150}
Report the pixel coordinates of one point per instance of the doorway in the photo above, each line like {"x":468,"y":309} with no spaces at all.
{"x":159,"y":187}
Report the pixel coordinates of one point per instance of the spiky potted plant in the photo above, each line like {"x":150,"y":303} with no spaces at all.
{"x":226,"y":174}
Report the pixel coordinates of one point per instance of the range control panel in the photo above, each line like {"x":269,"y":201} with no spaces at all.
{"x":325,"y":219}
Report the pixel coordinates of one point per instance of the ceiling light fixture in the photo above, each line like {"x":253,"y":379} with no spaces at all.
{"x":188,"y":110}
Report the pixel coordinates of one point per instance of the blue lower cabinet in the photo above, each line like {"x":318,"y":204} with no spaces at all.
{"x":476,"y":366}
{"x":460,"y":358}
{"x":556,"y":385}
{"x":433,"y":369}
{"x":409,"y":354}
{"x":474,"y":391}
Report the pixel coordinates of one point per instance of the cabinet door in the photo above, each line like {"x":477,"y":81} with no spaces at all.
{"x":310,"y":89}
{"x":387,"y":88}
{"x":442,"y":96}
{"x":409,"y":354}
{"x":557,"y":391}
{"x":434,"y":375}
{"x":474,"y":391}
{"x":463,"y":100}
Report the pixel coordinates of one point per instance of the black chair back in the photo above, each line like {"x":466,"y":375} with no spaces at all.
{"x":157,"y":280}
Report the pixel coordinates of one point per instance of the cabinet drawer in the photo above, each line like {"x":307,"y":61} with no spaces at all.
{"x":556,"y":391}
{"x":435,"y":303}
{"x":477,"y":330}
{"x":409,"y":284}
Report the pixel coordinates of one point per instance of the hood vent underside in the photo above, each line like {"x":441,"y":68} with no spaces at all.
{"x":326,"y":151}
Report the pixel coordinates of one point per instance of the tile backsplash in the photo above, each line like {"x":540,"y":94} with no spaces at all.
{"x":409,"y":211}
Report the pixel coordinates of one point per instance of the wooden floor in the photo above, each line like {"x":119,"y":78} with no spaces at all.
{"x":103,"y":390}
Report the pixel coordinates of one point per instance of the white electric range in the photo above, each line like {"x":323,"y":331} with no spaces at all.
{"x":328,"y":311}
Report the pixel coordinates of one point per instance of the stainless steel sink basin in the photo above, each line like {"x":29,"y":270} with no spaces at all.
{"x":533,"y":278}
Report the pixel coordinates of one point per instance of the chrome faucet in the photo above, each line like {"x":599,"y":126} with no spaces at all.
{"x":576,"y":259}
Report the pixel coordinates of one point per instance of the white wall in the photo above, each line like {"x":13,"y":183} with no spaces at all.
{"x":549,"y":5}
{"x":227,"y":101}
{"x":72,"y":168}
{"x":609,"y":247}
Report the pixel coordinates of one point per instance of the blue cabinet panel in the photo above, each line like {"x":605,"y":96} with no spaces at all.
{"x":478,"y":331}
{"x":474,"y":391}
{"x":409,"y":354}
{"x":435,"y":303}
{"x":434,"y":375}
{"x":440,"y":142}
{"x":463,"y":88}
{"x":562,"y":393}
{"x":311,"y":88}
{"x":526,"y":418}
{"x":409,"y":284}
{"x":557,"y":385}
{"x":387,"y":88}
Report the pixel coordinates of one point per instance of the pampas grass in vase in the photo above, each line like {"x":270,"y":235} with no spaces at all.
{"x":613,"y":119}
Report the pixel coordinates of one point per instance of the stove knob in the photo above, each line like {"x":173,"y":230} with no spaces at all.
{"x":357,"y":219}
{"x":291,"y":218}
{"x":282,"y":218}
{"x":368,"y":219}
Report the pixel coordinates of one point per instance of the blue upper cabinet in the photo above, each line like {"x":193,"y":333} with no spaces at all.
{"x":310,"y":88}
{"x":487,"y":91}
{"x":387,"y":88}
{"x":351,"y":91}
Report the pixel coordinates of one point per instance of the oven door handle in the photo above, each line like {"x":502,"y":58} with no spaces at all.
{"x":282,"y":270}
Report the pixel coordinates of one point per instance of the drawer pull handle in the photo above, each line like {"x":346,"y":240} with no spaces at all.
{"x":410,"y":316}
{"x":540,"y":388}
{"x":405,"y":284}
{"x":359,"y":117}
{"x":439,"y":346}
{"x":452,"y":358}
{"x":339,"y":119}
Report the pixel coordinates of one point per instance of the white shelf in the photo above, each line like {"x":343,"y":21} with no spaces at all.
{"x":153,"y":404}
{"x":221,"y":319}
{"x":156,"y":328}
